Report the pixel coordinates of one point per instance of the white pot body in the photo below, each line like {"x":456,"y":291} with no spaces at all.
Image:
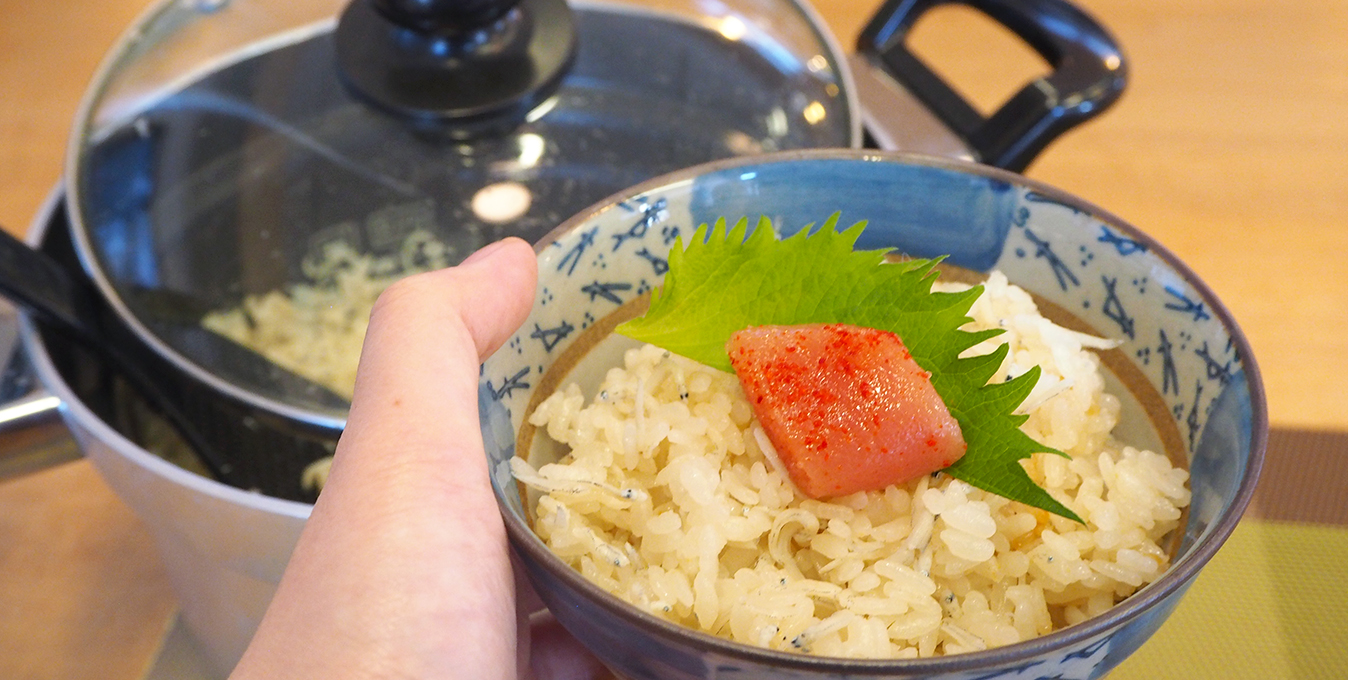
{"x":224,"y":549}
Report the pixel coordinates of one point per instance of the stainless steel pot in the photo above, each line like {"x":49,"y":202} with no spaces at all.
{"x":225,"y":547}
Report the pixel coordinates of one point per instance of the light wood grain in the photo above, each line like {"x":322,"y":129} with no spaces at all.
{"x":82,"y":592}
{"x":1230,"y":146}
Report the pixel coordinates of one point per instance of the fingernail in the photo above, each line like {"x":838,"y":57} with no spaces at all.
{"x":484,"y":253}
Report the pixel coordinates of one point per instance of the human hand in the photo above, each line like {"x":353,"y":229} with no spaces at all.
{"x":403,"y":569}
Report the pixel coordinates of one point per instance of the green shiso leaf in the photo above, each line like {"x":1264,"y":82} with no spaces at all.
{"x":732,"y":278}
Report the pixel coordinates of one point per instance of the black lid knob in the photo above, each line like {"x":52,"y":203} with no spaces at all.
{"x":444,"y":16}
{"x":464,"y":60}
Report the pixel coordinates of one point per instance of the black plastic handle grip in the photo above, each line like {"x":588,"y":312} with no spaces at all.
{"x":1089,"y":74}
{"x":46,"y":288}
{"x":66,"y":300}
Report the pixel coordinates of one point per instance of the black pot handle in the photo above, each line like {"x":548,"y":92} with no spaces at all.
{"x":1089,"y":73}
{"x":68,"y":302}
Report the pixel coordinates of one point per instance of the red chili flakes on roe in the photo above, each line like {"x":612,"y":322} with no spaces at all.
{"x":846,"y":407}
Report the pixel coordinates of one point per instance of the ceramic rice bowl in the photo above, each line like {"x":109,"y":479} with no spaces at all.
{"x":1194,"y":390}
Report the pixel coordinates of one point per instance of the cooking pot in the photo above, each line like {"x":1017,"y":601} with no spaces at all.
{"x":224,"y":150}
{"x":226,"y":547}
{"x":199,"y":177}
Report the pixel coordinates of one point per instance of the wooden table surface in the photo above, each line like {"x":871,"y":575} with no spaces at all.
{"x":1230,"y":146}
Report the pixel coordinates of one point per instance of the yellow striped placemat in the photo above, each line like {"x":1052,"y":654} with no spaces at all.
{"x":1272,"y":604}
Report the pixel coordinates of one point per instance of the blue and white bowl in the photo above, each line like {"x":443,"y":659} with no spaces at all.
{"x":1195,"y":389}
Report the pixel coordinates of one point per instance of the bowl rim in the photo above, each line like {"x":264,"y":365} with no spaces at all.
{"x":1175,"y":579}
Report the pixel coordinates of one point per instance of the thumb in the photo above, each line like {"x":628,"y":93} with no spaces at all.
{"x":489,"y":293}
{"x":403,"y":565}
{"x":416,"y":388}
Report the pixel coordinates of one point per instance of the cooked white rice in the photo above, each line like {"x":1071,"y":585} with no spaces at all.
{"x":316,"y":328}
{"x":672,"y":500}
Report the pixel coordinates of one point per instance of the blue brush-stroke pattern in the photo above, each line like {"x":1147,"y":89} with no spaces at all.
{"x":1113,"y":308}
{"x":551,"y":336}
{"x":509,"y":385}
{"x":668,"y":234}
{"x":1216,"y":370}
{"x":1169,"y":376}
{"x":606,"y":290}
{"x":651,"y":213}
{"x":573,"y":256}
{"x":1124,"y":245}
{"x":1043,"y":249}
{"x":1185,"y":305}
{"x":1191,"y":422}
{"x":658,"y":264}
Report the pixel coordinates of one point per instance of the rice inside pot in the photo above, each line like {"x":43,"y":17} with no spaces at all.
{"x":316,"y":327}
{"x":672,"y":499}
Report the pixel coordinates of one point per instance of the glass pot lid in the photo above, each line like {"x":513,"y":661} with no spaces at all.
{"x":259,"y":170}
